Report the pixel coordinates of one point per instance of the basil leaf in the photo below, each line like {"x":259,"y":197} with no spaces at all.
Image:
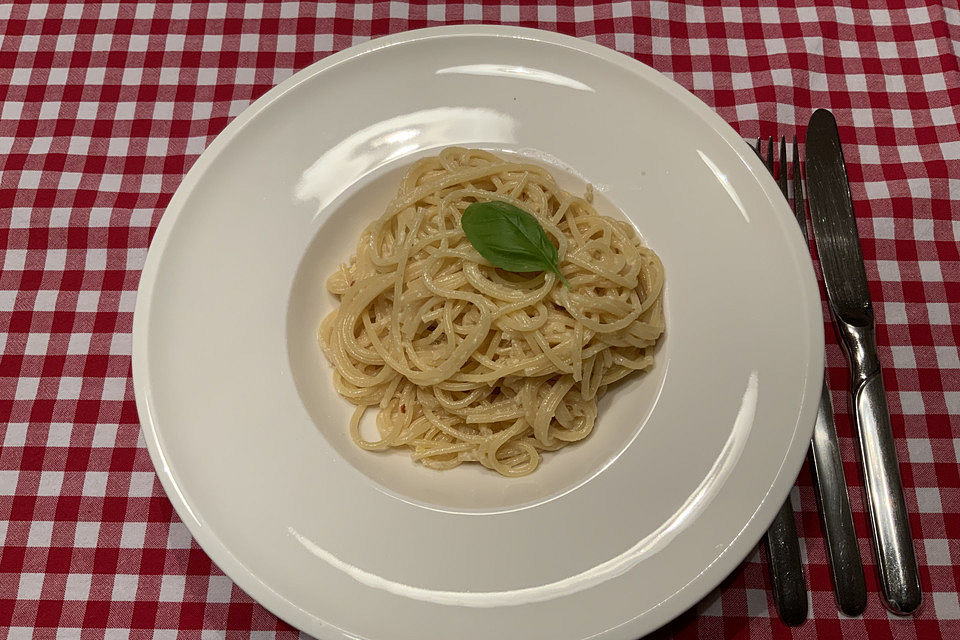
{"x":510,"y":238}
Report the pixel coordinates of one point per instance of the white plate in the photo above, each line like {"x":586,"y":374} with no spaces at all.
{"x":612,"y":537}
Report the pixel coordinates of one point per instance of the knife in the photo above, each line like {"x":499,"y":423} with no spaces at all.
{"x":838,"y":245}
{"x":826,"y":465}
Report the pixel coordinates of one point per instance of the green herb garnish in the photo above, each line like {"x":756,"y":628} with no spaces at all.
{"x":510,"y":238}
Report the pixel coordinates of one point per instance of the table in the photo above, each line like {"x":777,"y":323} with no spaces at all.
{"x":104,"y":107}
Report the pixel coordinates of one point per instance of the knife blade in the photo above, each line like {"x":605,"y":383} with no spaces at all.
{"x":838,"y":246}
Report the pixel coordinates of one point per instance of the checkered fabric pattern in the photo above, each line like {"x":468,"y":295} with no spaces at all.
{"x":104,"y":107}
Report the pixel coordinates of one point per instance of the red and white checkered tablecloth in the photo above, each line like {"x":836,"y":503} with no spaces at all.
{"x":103,"y":108}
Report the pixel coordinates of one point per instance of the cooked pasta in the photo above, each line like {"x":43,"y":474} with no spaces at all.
{"x":470,"y":363}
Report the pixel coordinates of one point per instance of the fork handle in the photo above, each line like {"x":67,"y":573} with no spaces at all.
{"x":786,"y":568}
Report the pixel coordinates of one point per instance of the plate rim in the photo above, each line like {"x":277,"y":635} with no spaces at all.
{"x":252,"y":584}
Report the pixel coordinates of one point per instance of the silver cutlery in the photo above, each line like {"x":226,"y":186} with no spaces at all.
{"x":786,"y":567}
{"x":838,"y":245}
{"x":826,"y":465}
{"x":783,"y":546}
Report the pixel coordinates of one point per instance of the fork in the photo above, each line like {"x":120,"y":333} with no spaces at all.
{"x":826,"y":466}
{"x":783,"y":546}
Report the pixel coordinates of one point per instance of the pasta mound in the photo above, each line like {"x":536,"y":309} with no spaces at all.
{"x":470,"y":363}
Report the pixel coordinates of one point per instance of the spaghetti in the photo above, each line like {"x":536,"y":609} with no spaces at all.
{"x":468,"y":362}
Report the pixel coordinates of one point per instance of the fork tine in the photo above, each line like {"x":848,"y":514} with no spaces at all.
{"x":770,"y":155}
{"x":757,"y":149}
{"x":783,"y":167}
{"x":798,"y":201}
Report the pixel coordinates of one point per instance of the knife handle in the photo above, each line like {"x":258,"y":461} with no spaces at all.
{"x":892,"y":541}
{"x":830,"y":484}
